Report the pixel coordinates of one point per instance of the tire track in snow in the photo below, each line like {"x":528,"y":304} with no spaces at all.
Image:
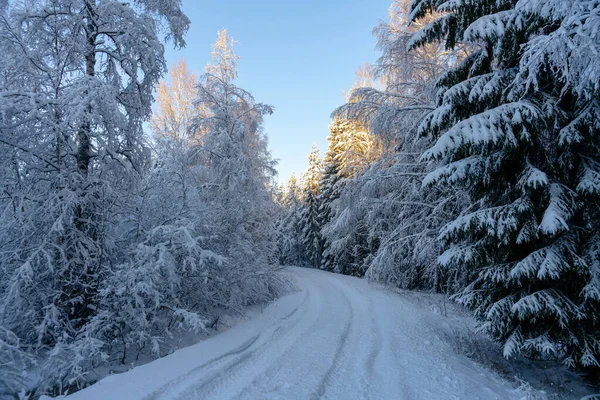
{"x":322,"y":387}
{"x":374,"y":349}
{"x":373,"y":341}
{"x":211,"y":369}
{"x":278,"y":341}
{"x":376,"y":335}
{"x":213,"y":364}
{"x":275,"y":375}
{"x":316,"y":344}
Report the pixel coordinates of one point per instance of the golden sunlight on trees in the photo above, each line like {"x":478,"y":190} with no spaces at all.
{"x":175,"y":107}
{"x":224,"y":58}
{"x":311,"y":177}
{"x":352,"y":146}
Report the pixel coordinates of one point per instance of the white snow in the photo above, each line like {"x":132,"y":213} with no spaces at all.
{"x":337,"y":338}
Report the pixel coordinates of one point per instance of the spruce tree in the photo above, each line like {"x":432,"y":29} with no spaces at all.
{"x":311,"y":227}
{"x":347,"y":244}
{"x":290,"y":244}
{"x":330,"y":187}
{"x":517,"y":127}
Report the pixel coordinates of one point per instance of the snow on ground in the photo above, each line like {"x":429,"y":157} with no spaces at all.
{"x":338,"y":337}
{"x":540,"y":379}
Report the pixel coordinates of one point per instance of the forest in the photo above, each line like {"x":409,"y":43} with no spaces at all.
{"x":140,"y":203}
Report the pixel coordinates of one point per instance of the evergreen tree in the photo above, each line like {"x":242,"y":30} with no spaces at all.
{"x":290,"y":244}
{"x":352,"y":149}
{"x":330,"y":188}
{"x":311,"y":227}
{"x":517,"y":127}
{"x":352,"y":146}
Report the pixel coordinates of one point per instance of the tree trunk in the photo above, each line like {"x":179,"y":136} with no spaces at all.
{"x":84,"y":133}
{"x":82,"y":274}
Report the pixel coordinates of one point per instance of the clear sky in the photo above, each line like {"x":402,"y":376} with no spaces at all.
{"x":297,"y":55}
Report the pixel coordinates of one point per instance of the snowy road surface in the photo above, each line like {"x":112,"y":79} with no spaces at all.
{"x":337,"y":338}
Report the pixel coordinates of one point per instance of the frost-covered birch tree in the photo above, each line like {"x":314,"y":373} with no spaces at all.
{"x":385,"y":205}
{"x":175,"y":109}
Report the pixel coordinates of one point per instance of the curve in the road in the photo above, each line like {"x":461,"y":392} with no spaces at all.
{"x":337,"y":338}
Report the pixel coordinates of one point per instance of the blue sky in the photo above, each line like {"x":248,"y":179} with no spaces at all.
{"x":295,"y":55}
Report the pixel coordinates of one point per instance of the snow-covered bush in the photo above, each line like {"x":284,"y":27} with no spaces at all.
{"x":14,"y":363}
{"x":163,"y":288}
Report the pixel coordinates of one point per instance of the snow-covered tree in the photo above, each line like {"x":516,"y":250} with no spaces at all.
{"x":352,"y":145}
{"x":175,"y":107}
{"x":77,"y":85}
{"x":14,"y":362}
{"x":291,"y":247}
{"x":384,"y":208}
{"x":309,"y":218}
{"x":516,"y":125}
{"x":329,"y":187}
{"x":238,"y":165}
{"x":404,"y":80}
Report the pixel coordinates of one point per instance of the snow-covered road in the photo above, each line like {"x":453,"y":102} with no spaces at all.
{"x":337,"y":338}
